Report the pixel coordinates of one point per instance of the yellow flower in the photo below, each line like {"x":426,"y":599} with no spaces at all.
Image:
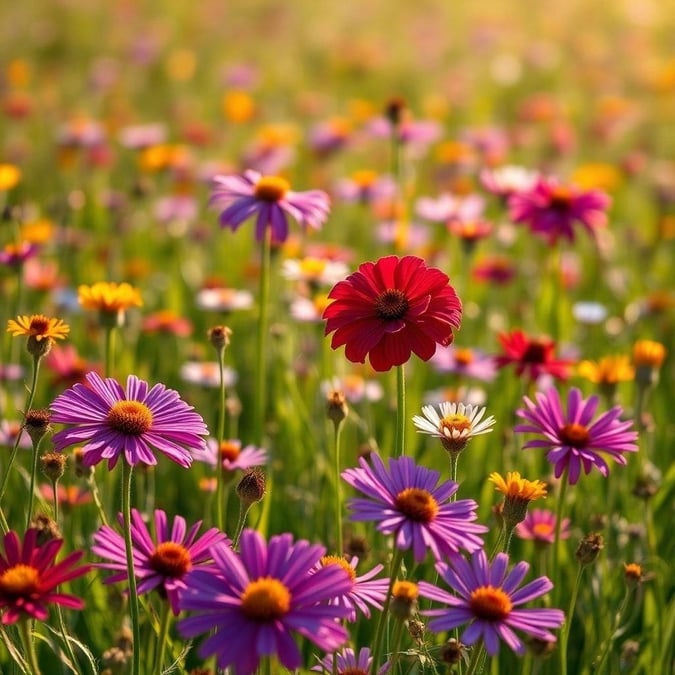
{"x":109,"y":297}
{"x":648,"y":353}
{"x":10,"y":175}
{"x":39,"y":327}
{"x":608,"y":370}
{"x":515,"y":487}
{"x":238,"y":106}
{"x":38,"y":231}
{"x":597,"y":176}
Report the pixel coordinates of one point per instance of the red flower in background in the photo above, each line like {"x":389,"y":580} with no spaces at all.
{"x":392,"y":308}
{"x":532,"y":356}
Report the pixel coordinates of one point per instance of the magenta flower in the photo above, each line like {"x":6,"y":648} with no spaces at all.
{"x":551,"y":210}
{"x":349,"y":663}
{"x":232,"y":455}
{"x":572,"y":440}
{"x":405,"y":500}
{"x":485,"y":595}
{"x":29,"y":577}
{"x":161,"y":562}
{"x":111,"y":422}
{"x":539,"y":525}
{"x":260,"y":598}
{"x":271,"y":200}
{"x":364,"y":591}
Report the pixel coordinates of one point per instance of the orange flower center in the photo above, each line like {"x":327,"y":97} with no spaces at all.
{"x":535,"y":352}
{"x":265,"y":599}
{"x":171,"y":560}
{"x":575,"y":435}
{"x":405,"y":590}
{"x":131,"y":418}
{"x":391,"y":305}
{"x":490,"y":603}
{"x":416,"y":504}
{"x":463,"y":356}
{"x":19,"y":581}
{"x":229,"y":451}
{"x":561,"y":199}
{"x":271,"y":188}
{"x":454,"y":423}
{"x":353,"y":671}
{"x":339,"y":560}
{"x":542,"y":529}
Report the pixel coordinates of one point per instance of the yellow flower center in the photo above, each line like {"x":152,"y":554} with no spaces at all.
{"x":271,"y":188}
{"x":229,"y":451}
{"x":265,"y":599}
{"x":364,"y":178}
{"x":131,"y":418}
{"x":19,"y":581}
{"x":454,"y":425}
{"x":391,"y":305}
{"x":416,"y":504}
{"x":490,"y":603}
{"x":575,"y":435}
{"x":312,"y":268}
{"x":171,"y":560}
{"x":405,"y":590}
{"x":342,"y":562}
{"x":464,"y":356}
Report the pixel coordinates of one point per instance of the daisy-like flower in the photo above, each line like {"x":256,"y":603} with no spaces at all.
{"x":29,"y":577}
{"x":572,"y":439}
{"x":532,"y":356}
{"x":167,"y":322}
{"x":518,"y":493}
{"x":263,"y":596}
{"x":405,"y":500}
{"x":349,"y":663}
{"x":224,"y":299}
{"x":232,"y":455}
{"x":271,"y":200}
{"x":505,"y":181}
{"x":465,"y":362}
{"x":456,"y":425}
{"x":539,"y":525}
{"x":207,"y":374}
{"x":365,"y":186}
{"x":365,"y":589}
{"x":111,"y":422}
{"x":110,"y":299}
{"x":68,"y":366}
{"x":607,"y":372}
{"x":486,"y":595}
{"x":42,"y":331}
{"x":161,"y":562}
{"x":314,"y":271}
{"x":14,"y":255}
{"x":392,"y":308}
{"x":551,"y":209}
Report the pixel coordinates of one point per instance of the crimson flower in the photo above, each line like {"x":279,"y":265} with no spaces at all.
{"x":391,"y":308}
{"x":29,"y":577}
{"x":531,"y":356}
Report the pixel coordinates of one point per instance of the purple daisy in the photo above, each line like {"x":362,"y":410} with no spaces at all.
{"x":262,"y":596}
{"x":572,"y":439}
{"x":406,"y":501}
{"x":551,"y":209}
{"x":162,"y":562}
{"x":484,"y":595}
{"x":111,"y":422}
{"x":364,"y":591}
{"x":349,"y":663}
{"x":464,"y":361}
{"x":539,"y":525}
{"x":271,"y":200}
{"x":232,"y":455}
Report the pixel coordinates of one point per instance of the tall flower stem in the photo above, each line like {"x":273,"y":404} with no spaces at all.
{"x":396,"y":644}
{"x":28,"y":646}
{"x":29,"y":405}
{"x":400,"y":410}
{"x":243,"y":512}
{"x":133,"y":597}
{"x":382,"y":621}
{"x":33,"y":474}
{"x":558,"y":529}
{"x":65,"y":636}
{"x":613,"y":635}
{"x":109,"y":351}
{"x":477,"y":660}
{"x":164,"y":623}
{"x":338,"y":491}
{"x":565,"y":632}
{"x":260,"y":394}
{"x":220,"y":501}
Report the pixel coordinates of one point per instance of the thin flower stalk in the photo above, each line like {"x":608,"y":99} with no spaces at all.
{"x":29,"y":653}
{"x":558,"y":528}
{"x":260,"y":398}
{"x":565,"y":630}
{"x":160,"y":650}
{"x":220,"y":476}
{"x":338,"y":489}
{"x":400,"y":410}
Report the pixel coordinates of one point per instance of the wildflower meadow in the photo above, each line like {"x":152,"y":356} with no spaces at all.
{"x":337,"y":338}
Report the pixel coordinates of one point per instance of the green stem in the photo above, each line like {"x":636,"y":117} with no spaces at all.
{"x":477,"y":659}
{"x":243,"y":512}
{"x":565,"y":632}
{"x":55,"y":500}
{"x":400,"y":410}
{"x":613,"y":634}
{"x":133,"y":597}
{"x":109,"y":354}
{"x":379,"y":631}
{"x":29,"y":405}
{"x":220,"y":510}
{"x":165,"y":622}
{"x":33,"y":473}
{"x":260,"y":394}
{"x":396,"y":644}
{"x":338,"y":490}
{"x":558,"y":528}
{"x":28,"y":646}
{"x":64,"y":635}
{"x":96,"y":495}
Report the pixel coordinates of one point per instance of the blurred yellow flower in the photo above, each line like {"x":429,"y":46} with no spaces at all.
{"x":39,"y":327}
{"x":38,"y":231}
{"x":10,"y":175}
{"x":238,"y":106}
{"x":109,"y":297}
{"x":648,"y":353}
{"x":608,"y":370}
{"x":597,"y":176}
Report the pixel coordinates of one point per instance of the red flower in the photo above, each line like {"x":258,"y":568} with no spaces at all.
{"x":532,"y":356}
{"x":28,"y":577}
{"x":390,"y":308}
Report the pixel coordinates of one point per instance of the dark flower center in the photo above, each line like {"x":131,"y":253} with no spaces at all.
{"x":575,"y":435}
{"x":131,"y":418}
{"x":265,"y":599}
{"x":391,"y":305}
{"x":39,"y":326}
{"x":463,"y":357}
{"x":490,"y":603}
{"x":560,"y":199}
{"x":229,"y":451}
{"x":171,"y":560}
{"x":535,"y":352}
{"x":19,"y":581}
{"x":416,"y":504}
{"x":271,"y":188}
{"x":353,"y":671}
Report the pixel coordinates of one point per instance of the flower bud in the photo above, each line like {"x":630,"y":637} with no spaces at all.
{"x":36,"y":424}
{"x":53,"y":465}
{"x":336,"y":408}
{"x":589,"y":548}
{"x":219,"y":337}
{"x":251,"y":488}
{"x":403,"y":599}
